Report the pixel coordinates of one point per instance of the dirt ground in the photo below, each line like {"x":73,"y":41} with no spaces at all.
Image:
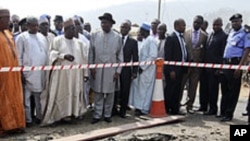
{"x":195,"y":127}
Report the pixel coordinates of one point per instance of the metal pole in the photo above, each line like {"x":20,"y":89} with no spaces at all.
{"x":159,"y":9}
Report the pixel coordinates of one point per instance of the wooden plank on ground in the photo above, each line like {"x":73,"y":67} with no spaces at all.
{"x":101,"y":133}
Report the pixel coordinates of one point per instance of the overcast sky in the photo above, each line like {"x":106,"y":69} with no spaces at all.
{"x":52,"y":7}
{"x":91,"y":9}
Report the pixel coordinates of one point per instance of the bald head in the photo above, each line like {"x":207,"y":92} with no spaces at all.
{"x":162,"y":25}
{"x":161,"y":30}
{"x":156,"y":21}
{"x":128,"y":22}
{"x":125,"y":27}
{"x":154,"y":25}
{"x":178,"y":22}
{"x":180,"y":25}
{"x":217,"y":24}
{"x":218,"y":20}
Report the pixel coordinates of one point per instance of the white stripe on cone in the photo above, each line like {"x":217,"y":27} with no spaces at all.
{"x":158,"y":91}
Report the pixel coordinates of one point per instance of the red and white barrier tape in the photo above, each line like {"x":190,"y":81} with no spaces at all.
{"x":69,"y":67}
{"x":90,"y":66}
{"x":207,"y":65}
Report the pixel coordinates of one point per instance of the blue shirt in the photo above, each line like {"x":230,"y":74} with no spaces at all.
{"x":237,"y":41}
{"x":58,"y":32}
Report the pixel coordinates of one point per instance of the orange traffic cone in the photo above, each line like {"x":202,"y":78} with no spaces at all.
{"x":158,"y":104}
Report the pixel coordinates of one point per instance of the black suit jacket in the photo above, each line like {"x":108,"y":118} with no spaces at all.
{"x":215,"y":46}
{"x":173,"y":53}
{"x":130,"y":52}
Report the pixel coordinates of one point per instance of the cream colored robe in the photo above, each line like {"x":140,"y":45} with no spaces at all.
{"x":64,"y":93}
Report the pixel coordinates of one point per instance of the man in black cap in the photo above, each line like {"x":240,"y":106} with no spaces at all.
{"x":58,"y":22}
{"x":105,"y":47}
{"x":236,"y":52}
{"x":23,"y":24}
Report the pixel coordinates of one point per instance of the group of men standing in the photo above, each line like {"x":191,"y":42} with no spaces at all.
{"x":60,"y":95}
{"x":41,"y":96}
{"x":195,"y":45}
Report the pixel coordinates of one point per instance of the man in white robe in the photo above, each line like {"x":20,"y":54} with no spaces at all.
{"x":105,"y":47}
{"x":64,"y":97}
{"x":83,"y":39}
{"x":134,"y":89}
{"x":146,"y":79}
{"x":32,"y":51}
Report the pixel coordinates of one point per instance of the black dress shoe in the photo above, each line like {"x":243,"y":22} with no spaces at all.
{"x":115,"y":112}
{"x":224,"y":119}
{"x":245,"y":114}
{"x":219,"y":116}
{"x":37,"y":121}
{"x":95,"y":120}
{"x":138,"y":112}
{"x":178,"y":113}
{"x":108,"y":119}
{"x":13,"y":132}
{"x":210,"y":113}
{"x":190,"y":111}
{"x":122,"y":115}
{"x":28,"y":124}
{"x":128,"y":108}
{"x":202,"y":109}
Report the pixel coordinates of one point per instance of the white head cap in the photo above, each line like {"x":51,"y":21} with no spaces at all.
{"x":43,"y":19}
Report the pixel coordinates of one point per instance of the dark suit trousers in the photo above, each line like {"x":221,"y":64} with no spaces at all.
{"x":209,"y":90}
{"x":203,"y":98}
{"x":172,"y":93}
{"x":125,"y":79}
{"x":231,"y":91}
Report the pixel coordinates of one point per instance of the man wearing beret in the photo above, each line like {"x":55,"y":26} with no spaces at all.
{"x":105,"y":47}
{"x":236,"y":52}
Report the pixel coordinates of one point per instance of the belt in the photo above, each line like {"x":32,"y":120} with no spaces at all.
{"x":232,"y":60}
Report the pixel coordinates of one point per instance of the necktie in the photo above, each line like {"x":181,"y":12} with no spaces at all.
{"x":210,"y":40}
{"x":123,"y":37}
{"x":183,"y":48}
{"x":159,"y":46}
{"x":195,"y":38}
